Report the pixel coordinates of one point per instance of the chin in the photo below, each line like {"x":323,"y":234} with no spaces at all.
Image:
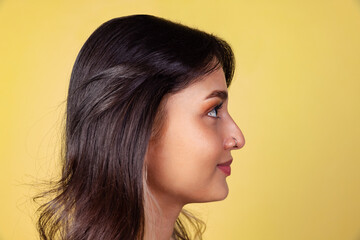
{"x":223,"y":195}
{"x":219,"y":194}
{"x":223,"y":191}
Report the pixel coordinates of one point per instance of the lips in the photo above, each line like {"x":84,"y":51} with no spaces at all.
{"x":225,"y":167}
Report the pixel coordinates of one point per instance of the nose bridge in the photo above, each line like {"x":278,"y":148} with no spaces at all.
{"x":233,"y":131}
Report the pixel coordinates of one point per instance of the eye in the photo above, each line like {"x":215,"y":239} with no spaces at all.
{"x":214,"y":112}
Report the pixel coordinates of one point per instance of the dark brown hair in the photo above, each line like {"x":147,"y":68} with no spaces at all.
{"x":118,"y":82}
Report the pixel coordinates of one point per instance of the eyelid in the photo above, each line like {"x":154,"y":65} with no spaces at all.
{"x":219,"y":105}
{"x":216,"y":108}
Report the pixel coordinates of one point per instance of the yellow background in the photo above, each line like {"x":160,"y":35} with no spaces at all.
{"x":296,"y":96}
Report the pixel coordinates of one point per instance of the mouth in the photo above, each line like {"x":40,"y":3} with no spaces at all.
{"x":225,"y":167}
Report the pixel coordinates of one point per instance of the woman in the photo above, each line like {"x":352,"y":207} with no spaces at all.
{"x":147,"y":131}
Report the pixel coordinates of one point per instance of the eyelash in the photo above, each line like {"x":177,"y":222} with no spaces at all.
{"x":216,"y":108}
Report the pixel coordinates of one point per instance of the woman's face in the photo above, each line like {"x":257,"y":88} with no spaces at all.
{"x":184,"y":163}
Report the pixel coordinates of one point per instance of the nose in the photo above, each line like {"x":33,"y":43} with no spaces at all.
{"x":234,"y":137}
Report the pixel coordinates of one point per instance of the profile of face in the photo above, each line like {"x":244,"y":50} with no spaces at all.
{"x":190,"y":160}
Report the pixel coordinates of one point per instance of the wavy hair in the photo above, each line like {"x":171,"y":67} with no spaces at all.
{"x":119,"y":81}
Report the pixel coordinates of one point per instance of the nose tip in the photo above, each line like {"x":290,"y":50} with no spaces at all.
{"x":240,"y":140}
{"x":235,"y":141}
{"x":235,"y":138}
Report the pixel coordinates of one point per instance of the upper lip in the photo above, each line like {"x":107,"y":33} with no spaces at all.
{"x":227,"y":163}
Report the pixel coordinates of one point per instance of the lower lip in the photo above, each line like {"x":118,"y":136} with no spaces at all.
{"x":225,"y":169}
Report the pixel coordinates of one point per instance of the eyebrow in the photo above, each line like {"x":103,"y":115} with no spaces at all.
{"x":217,"y":93}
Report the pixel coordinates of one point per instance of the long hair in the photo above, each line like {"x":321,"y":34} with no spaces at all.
{"x":119,"y":79}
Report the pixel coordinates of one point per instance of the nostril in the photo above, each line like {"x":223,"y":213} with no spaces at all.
{"x":236,"y":143}
{"x":239,"y":140}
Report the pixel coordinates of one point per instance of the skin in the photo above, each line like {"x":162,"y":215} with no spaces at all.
{"x":182,"y":163}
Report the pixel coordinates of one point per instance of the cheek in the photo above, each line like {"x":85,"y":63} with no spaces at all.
{"x":184,"y":162}
{"x":199,"y":145}
{"x":194,"y":145}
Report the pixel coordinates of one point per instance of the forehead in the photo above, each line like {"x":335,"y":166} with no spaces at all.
{"x":205,"y":85}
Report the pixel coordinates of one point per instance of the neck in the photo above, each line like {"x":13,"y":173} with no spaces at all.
{"x":160,"y":218}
